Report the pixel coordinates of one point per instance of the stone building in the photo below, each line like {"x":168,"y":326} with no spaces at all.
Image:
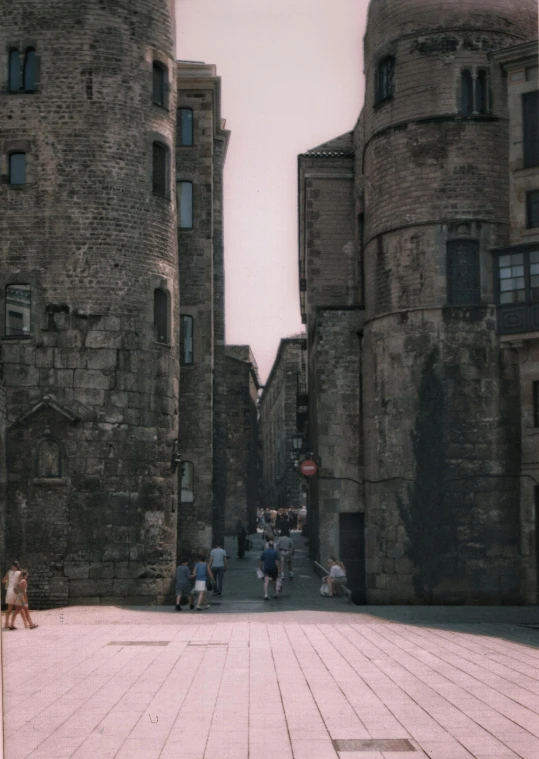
{"x":420,"y":394}
{"x":282,"y":417}
{"x":242,"y":386}
{"x":200,"y":155}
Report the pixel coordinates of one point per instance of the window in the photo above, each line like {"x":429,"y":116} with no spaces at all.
{"x":48,"y":460}
{"x":30,"y":70}
{"x":530,"y":114}
{"x":160,"y":316}
{"x":17,"y":168}
{"x":481,"y":92}
{"x":518,"y":275}
{"x":384,"y":80}
{"x":186,"y":340}
{"x":159,"y":84}
{"x":185,"y":205}
{"x":187,"y":482}
{"x":536,"y":404}
{"x":186,"y":126}
{"x":532,"y":209}
{"x":14,"y":71}
{"x":160,"y":169}
{"x":18,"y":310}
{"x":463,"y":278}
{"x":466,"y":92}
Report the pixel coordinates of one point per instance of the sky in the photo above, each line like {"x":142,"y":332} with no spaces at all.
{"x":291,"y":78}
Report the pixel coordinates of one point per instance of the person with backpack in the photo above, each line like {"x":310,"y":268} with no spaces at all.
{"x":271,"y":567}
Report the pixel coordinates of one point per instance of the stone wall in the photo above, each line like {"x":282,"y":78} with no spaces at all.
{"x":242,"y":437}
{"x":3,"y":472}
{"x":88,"y":383}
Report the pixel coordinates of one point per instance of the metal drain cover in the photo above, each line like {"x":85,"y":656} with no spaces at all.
{"x":138,"y":643}
{"x":373,"y":744}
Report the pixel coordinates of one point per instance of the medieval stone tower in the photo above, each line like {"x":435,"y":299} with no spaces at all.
{"x":89,"y":288}
{"x":432,"y":189}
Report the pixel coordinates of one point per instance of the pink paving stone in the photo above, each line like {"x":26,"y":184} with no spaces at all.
{"x":313,"y":749}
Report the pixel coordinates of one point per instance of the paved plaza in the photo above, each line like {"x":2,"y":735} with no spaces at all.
{"x":301,"y":677}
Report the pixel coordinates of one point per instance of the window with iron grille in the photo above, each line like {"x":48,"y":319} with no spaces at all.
{"x":160,"y":169}
{"x":161,"y":316}
{"x":463,"y":273}
{"x":186,"y":340}
{"x":536,"y":404}
{"x":384,"y":79}
{"x":532,"y":209}
{"x":530,"y":115}
{"x":186,"y":125}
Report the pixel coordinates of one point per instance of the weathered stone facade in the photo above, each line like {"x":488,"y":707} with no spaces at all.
{"x":202,"y":441}
{"x":281,"y":481}
{"x":91,"y":392}
{"x":242,"y":450}
{"x":415,"y":406}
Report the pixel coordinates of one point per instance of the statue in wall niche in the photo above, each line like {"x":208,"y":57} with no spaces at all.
{"x":49,"y":460}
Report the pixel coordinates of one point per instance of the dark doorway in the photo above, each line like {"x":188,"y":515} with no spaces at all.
{"x":352,"y":553}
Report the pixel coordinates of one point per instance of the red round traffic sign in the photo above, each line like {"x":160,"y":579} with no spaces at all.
{"x":308,"y":467}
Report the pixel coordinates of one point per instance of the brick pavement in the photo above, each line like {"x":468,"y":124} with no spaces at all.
{"x":298,"y":678}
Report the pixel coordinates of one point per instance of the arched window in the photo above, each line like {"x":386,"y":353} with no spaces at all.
{"x":18,"y":310}
{"x":186,"y":340}
{"x":187,"y":482}
{"x":161,"y":316}
{"x":463,"y":273}
{"x":466,"y":92}
{"x":184,"y":196}
{"x":481,"y":93}
{"x":160,"y":169}
{"x":159,"y":84}
{"x":17,"y":168}
{"x":186,"y":126}
{"x":14,"y":71}
{"x":30,"y":70}
{"x":384,"y":79}
{"x":48,"y":459}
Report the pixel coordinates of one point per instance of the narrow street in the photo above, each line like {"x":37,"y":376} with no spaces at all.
{"x":301,"y":677}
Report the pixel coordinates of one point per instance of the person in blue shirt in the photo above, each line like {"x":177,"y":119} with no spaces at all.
{"x":271,"y":566}
{"x":200,"y":574}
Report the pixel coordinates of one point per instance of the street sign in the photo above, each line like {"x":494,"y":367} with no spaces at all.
{"x":308,"y":467}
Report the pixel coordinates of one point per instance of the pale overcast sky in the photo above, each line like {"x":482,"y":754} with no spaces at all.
{"x":292,"y":77}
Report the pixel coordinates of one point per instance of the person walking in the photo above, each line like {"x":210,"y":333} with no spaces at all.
{"x":183,"y":584}
{"x":261,"y":519}
{"x":269,"y":532}
{"x":241,"y":534}
{"x":271,"y":566}
{"x":218,"y":560}
{"x":285,"y":546}
{"x":201,"y":573}
{"x":11,"y":580}
{"x":22,"y":602}
{"x":282,"y":524}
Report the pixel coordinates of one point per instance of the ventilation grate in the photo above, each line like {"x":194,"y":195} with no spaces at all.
{"x":373,"y":744}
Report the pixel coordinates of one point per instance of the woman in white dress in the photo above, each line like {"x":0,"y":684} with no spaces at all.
{"x":11,"y":579}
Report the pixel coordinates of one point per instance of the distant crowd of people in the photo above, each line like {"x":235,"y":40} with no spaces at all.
{"x":16,"y":582}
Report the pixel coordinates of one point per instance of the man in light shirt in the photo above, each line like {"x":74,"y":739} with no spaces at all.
{"x":285,"y":546}
{"x":218,"y":560}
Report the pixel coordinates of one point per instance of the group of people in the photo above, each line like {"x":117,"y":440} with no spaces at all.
{"x":16,"y":582}
{"x":288,"y":519}
{"x":207,"y":574}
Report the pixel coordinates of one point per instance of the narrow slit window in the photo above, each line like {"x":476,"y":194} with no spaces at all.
{"x":159,"y":83}
{"x":463,"y":273}
{"x":186,"y":126}
{"x":532,"y":209}
{"x":466,"y":92}
{"x":536,"y":404}
{"x":30,"y":70}
{"x":187,"y":482}
{"x":530,"y":113}
{"x":481,"y":91}
{"x":160,"y":168}
{"x":18,"y":310}
{"x":186,"y":340}
{"x":17,"y":168}
{"x":385,"y":77}
{"x":14,"y":71}
{"x":185,"y":205}
{"x":160,"y":316}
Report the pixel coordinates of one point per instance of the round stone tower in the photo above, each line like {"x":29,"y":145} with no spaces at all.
{"x":89,"y":287}
{"x":441,"y":404}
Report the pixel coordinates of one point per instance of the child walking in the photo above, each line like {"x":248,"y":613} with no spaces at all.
{"x":201,"y":574}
